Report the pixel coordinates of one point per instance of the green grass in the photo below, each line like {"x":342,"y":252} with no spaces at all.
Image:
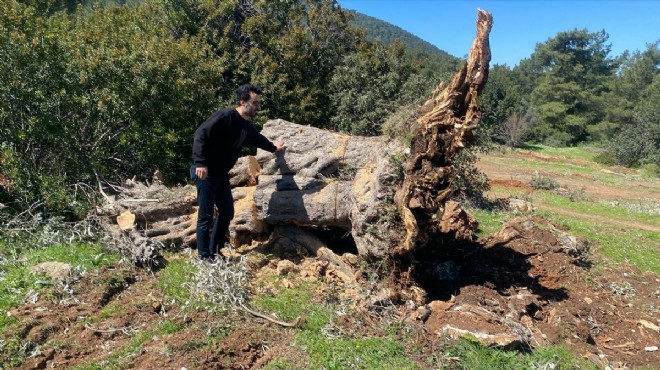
{"x":85,"y":255}
{"x":489,"y":221}
{"x":650,"y":171}
{"x":110,"y":310}
{"x":469,"y":354}
{"x":617,"y":244}
{"x":358,"y":353}
{"x":288,"y":304}
{"x":174,"y":278}
{"x":579,"y":153}
{"x":595,"y":208}
{"x":327,"y":353}
{"x":16,"y":282}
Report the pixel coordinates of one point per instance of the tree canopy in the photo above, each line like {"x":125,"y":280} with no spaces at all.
{"x":572,"y":91}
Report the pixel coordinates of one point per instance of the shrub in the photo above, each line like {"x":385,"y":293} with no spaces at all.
{"x":636,"y":144}
{"x":514,"y":131}
{"x":106,"y":89}
{"x":542,"y":182}
{"x":606,"y":158}
{"x":466,"y":179}
{"x":397,"y":125}
{"x":651,"y":170}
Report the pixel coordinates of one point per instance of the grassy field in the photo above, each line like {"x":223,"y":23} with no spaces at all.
{"x":617,"y":210}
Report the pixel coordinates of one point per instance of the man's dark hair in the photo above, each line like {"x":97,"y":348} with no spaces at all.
{"x":243,"y":92}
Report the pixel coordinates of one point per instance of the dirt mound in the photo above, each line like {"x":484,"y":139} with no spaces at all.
{"x":530,"y":285}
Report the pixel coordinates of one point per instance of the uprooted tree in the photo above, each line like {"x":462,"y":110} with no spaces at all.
{"x":387,"y":196}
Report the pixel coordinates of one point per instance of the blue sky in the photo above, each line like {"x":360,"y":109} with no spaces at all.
{"x":518,"y":25}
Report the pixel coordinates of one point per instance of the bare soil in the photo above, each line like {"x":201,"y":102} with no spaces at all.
{"x":523,"y":274}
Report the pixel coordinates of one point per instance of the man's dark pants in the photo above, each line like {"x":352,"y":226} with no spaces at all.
{"x":214,"y":190}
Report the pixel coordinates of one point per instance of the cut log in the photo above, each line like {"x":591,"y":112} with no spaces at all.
{"x":142,"y":229}
{"x":329,"y":179}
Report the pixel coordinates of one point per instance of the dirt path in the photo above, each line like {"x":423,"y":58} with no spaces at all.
{"x":500,"y":167}
{"x":596,"y":218}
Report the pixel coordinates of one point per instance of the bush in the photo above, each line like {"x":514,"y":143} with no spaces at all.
{"x":651,"y":170}
{"x":514,"y":131}
{"x":369,"y":86}
{"x":541,"y":182}
{"x":466,"y":179}
{"x":397,"y":125}
{"x":106,"y":89}
{"x":636,"y":144}
{"x":558,"y":139}
{"x":606,"y":158}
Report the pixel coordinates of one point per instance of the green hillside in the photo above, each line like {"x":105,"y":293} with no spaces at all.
{"x":386,"y":33}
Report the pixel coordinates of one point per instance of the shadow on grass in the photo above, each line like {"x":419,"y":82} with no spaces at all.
{"x":530,"y":146}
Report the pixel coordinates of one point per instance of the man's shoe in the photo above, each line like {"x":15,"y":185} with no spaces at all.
{"x":209,"y":260}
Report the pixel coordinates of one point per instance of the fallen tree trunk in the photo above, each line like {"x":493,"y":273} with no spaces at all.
{"x":386,"y":196}
{"x":354,"y":183}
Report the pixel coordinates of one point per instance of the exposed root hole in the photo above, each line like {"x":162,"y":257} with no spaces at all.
{"x":338,"y":240}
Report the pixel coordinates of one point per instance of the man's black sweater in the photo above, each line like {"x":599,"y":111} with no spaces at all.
{"x":218,"y":141}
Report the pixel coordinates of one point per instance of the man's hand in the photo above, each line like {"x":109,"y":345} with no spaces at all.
{"x":201,"y":172}
{"x":279,"y":145}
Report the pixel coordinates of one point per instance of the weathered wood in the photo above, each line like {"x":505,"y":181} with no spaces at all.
{"x":141,"y":230}
{"x":325,"y":178}
{"x":444,"y":128}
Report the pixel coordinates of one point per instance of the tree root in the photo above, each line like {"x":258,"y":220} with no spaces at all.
{"x":298,"y":322}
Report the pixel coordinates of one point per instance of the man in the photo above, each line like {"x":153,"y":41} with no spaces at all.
{"x":216,"y":148}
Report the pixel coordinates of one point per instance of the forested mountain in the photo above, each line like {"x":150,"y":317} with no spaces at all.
{"x":387,"y":33}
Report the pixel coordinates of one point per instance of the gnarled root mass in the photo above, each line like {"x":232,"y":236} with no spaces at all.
{"x":444,"y":127}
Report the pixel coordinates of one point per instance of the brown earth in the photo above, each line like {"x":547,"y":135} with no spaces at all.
{"x":526,"y":280}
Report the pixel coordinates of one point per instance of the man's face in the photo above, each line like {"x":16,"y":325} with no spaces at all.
{"x":253,"y":105}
